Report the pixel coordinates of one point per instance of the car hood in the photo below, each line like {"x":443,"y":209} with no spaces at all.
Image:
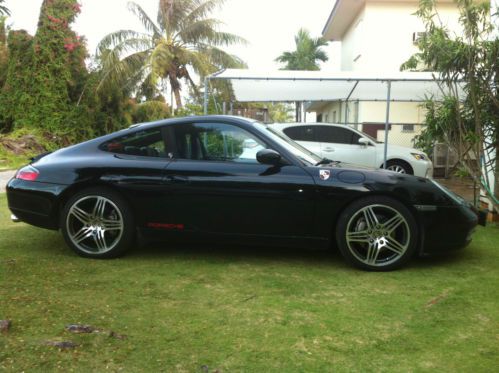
{"x":398,"y":149}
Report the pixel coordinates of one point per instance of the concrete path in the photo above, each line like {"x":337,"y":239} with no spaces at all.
{"x":4,"y":178}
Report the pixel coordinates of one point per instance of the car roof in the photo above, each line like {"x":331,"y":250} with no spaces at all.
{"x":91,"y":144}
{"x":281,"y":126}
{"x":188,"y":119}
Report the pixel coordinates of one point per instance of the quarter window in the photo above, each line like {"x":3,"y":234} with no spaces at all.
{"x":146,"y":143}
{"x":216,"y":142}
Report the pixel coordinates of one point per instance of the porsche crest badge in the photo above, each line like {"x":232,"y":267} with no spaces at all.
{"x":324,"y":174}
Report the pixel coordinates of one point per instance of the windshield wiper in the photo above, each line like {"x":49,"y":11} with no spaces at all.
{"x":325,"y":161}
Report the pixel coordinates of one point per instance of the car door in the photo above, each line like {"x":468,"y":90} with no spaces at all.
{"x":216,"y":185}
{"x":342,"y":144}
{"x":305,"y":136}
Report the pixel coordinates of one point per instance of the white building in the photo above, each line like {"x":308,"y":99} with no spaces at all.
{"x":378,"y":36}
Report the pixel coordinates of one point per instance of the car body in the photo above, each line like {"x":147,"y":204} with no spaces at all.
{"x":340,"y":142}
{"x":202,"y":178}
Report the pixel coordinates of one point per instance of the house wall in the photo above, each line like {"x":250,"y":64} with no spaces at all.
{"x":388,"y":29}
{"x":353,"y":44}
{"x":380,"y":39}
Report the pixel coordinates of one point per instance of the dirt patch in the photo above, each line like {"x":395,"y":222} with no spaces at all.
{"x":23,"y":145}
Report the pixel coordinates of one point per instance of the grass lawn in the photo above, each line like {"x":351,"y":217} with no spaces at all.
{"x":242,"y":309}
{"x":9,"y":161}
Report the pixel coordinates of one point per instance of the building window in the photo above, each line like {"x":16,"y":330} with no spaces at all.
{"x":334,"y":116}
{"x":326,"y":118}
{"x":408,"y":128}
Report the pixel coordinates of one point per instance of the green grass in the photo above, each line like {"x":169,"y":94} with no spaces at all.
{"x":245,"y":309}
{"x":9,"y":161}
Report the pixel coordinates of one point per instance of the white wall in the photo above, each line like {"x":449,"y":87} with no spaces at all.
{"x":388,"y":32}
{"x":353,"y":44}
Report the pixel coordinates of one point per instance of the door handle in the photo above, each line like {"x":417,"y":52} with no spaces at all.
{"x":329,"y":149}
{"x":175,"y":179}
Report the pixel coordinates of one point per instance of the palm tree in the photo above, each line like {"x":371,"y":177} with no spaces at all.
{"x":4,"y":9}
{"x":184,"y":39}
{"x":307,"y":54}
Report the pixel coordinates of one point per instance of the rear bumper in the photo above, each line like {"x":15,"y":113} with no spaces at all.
{"x":34,"y":203}
{"x":447,"y":228}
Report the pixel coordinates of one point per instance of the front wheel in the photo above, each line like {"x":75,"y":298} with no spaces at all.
{"x":377,"y":234}
{"x":399,"y":166}
{"x":97,"y":223}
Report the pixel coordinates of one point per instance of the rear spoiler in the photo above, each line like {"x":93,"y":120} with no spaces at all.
{"x":39,"y":156}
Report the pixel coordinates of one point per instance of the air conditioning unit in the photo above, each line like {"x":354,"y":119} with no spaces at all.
{"x":417,"y":36}
{"x":443,"y":156}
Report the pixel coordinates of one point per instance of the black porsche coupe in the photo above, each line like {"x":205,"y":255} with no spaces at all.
{"x":229,"y":178}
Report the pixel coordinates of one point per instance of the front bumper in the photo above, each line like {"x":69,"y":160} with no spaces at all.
{"x":422,"y":168}
{"x":446,"y":228}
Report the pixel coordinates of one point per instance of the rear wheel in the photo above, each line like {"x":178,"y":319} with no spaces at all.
{"x":98,"y":223}
{"x":377,"y":234}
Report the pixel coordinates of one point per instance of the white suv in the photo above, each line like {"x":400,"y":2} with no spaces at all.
{"x":339,"y":142}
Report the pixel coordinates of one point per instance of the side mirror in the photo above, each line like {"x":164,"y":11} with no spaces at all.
{"x":268,"y":156}
{"x":364,"y":141}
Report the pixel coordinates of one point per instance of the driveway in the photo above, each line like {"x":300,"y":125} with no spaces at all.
{"x":4,"y":178}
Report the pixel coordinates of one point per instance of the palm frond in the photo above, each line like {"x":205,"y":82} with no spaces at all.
{"x":202,"y":10}
{"x":146,"y":21}
{"x":118,"y":72}
{"x":4,"y":9}
{"x":118,"y":37}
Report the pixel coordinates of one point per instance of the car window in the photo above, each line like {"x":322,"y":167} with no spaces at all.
{"x":336,"y":135}
{"x":146,"y":143}
{"x":300,"y":133}
{"x":216,"y":142}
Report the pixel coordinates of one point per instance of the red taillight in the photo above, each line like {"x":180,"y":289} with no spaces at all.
{"x":28,"y":173}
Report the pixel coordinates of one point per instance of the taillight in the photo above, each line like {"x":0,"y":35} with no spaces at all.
{"x":28,"y":173}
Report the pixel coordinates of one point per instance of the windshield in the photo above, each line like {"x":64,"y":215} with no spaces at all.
{"x":306,"y":156}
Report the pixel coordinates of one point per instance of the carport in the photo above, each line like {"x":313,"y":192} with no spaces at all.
{"x":317,"y":86}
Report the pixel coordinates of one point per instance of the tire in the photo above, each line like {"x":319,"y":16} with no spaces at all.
{"x":377,"y":234}
{"x":399,"y":166}
{"x":98,"y":223}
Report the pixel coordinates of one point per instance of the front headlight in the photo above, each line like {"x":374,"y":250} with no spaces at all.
{"x":420,"y":156}
{"x":453,"y":196}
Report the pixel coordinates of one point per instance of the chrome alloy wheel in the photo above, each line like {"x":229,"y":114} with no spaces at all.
{"x":378,"y":235}
{"x":94,"y":224}
{"x":396,"y":168}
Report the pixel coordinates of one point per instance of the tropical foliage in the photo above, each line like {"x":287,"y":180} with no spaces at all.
{"x":44,"y":73}
{"x":183,"y":41}
{"x":307,"y":55}
{"x":3,"y":8}
{"x":468,"y":123}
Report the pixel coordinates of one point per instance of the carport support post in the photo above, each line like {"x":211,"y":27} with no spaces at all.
{"x":206,"y":96}
{"x":387,"y":121}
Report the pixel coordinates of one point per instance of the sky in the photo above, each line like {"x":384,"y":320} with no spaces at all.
{"x":268,"y":25}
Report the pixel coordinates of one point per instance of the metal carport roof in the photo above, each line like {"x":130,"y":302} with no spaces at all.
{"x":281,"y":85}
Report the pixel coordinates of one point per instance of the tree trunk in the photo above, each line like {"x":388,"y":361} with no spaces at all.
{"x":175,"y":84}
{"x":178,"y":98}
